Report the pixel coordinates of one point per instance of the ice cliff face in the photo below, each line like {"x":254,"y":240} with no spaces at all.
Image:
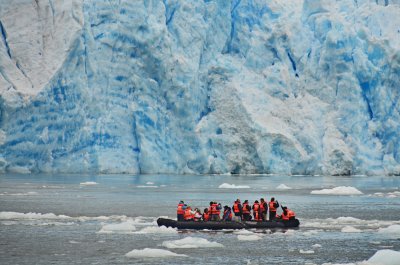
{"x":291,"y":87}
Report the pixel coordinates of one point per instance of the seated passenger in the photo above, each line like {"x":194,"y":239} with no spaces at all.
{"x":206,"y":215}
{"x":287,"y":214}
{"x":197,"y":215}
{"x":189,"y":214}
{"x":227,"y":213}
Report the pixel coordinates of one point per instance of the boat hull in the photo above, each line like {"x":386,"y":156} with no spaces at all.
{"x":227,"y":225}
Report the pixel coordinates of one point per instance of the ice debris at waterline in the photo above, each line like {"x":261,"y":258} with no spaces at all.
{"x":286,"y":87}
{"x":152,"y":253}
{"x":191,"y":242}
{"x":381,"y":257}
{"x":121,"y":228}
{"x":248,"y":237}
{"x":283,"y":187}
{"x":233,"y":186}
{"x":88,"y":183}
{"x":342,"y":190}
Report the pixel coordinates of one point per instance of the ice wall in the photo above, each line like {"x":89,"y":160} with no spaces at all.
{"x":291,"y":87}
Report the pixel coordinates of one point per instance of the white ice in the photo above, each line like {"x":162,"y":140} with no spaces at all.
{"x":126,"y":227}
{"x":341,"y":190}
{"x":392,"y":231}
{"x":248,"y":237}
{"x":157,"y":230}
{"x":233,"y":186}
{"x":283,"y":187}
{"x":88,"y":183}
{"x":191,"y":242}
{"x":152,"y":253}
{"x":350,"y":229}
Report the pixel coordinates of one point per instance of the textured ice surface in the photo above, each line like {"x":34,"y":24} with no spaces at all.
{"x":191,"y":242}
{"x":341,"y":190}
{"x":240,"y":86}
{"x":152,"y":253}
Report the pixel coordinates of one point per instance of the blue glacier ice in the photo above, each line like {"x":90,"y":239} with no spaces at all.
{"x":192,"y":87}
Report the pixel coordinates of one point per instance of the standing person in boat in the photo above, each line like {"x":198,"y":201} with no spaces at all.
{"x":180,"y":211}
{"x":246,"y":211}
{"x":197,"y":215}
{"x":263,"y":209}
{"x":256,"y":210}
{"x":206,"y":215}
{"x":227,"y":213}
{"x":273,"y":205}
{"x":215,"y":211}
{"x":237,"y":210}
{"x":189,"y":214}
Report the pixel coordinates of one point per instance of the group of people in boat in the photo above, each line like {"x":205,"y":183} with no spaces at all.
{"x":238,"y":212}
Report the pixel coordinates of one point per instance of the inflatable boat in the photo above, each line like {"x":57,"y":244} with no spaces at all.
{"x":200,"y":225}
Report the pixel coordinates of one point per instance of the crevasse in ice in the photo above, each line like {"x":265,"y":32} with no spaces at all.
{"x":241,"y":86}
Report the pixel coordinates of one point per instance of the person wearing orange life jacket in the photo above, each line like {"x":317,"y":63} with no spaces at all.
{"x":263,"y":209}
{"x":180,"y":211}
{"x":197,"y":215}
{"x":237,"y":210}
{"x":273,"y":206}
{"x":246,"y":211}
{"x":227,"y":216}
{"x":287,"y":214}
{"x":206,"y":215}
{"x":215,"y":211}
{"x":256,"y":210}
{"x":189,"y":215}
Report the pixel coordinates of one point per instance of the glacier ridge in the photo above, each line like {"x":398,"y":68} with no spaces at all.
{"x":200,"y":87}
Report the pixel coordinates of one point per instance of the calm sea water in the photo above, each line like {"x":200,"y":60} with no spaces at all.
{"x":60,"y":219}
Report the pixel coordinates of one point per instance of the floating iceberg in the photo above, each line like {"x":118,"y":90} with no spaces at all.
{"x":152,"y":253}
{"x":191,"y":242}
{"x":248,"y":237}
{"x":283,"y":187}
{"x":233,"y":186}
{"x":342,"y":190}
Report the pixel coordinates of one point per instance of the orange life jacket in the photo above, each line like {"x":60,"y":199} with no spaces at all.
{"x":188,"y":215}
{"x":272,"y":207}
{"x":214,"y":209}
{"x":236,"y":208}
{"x":256,"y":207}
{"x":206,"y":216}
{"x":180,"y":210}
{"x":262,"y":207}
{"x":244,"y":209}
{"x":290,"y":214}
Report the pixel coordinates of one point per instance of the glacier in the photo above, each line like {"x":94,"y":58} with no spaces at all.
{"x":200,"y":87}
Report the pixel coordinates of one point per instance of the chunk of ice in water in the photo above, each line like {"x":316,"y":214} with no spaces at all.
{"x":152,"y":253}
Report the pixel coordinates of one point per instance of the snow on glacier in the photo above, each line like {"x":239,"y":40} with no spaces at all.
{"x":293,"y":87}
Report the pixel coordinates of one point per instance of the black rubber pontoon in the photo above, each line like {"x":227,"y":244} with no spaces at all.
{"x":227,"y":225}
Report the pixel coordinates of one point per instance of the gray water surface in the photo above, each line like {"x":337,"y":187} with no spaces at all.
{"x":71,"y":235}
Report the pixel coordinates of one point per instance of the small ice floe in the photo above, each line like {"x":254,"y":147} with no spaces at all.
{"x":29,"y":193}
{"x":88,"y":183}
{"x":149,"y":183}
{"x":30,"y":216}
{"x":390,"y":195}
{"x":74,"y":242}
{"x":316,"y":246}
{"x":350,"y":229}
{"x":191,"y":242}
{"x":157,"y":230}
{"x":393,"y":231}
{"x":248,"y":237}
{"x":147,"y":186}
{"x":385,"y":257}
{"x":283,"y":187}
{"x":243,"y":232}
{"x":233,"y":186}
{"x":306,"y":251}
{"x":152,"y":253}
{"x":126,"y":227}
{"x":341,"y":190}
